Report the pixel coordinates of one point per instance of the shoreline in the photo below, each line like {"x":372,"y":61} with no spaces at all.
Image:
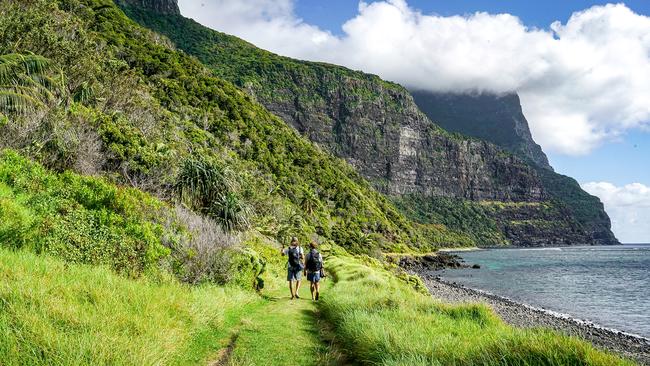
{"x":459,"y":250}
{"x":522,"y":315}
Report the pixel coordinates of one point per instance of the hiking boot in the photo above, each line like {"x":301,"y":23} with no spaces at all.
{"x":297,"y":297}
{"x":317,"y":295}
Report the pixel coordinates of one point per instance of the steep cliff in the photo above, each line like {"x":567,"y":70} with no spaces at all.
{"x":500,"y":120}
{"x":495,"y":118}
{"x":378,"y":128}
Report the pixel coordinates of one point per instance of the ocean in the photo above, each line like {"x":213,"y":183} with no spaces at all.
{"x":607,"y":285}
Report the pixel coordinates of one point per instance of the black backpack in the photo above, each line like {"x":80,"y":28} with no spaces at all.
{"x":294,"y":257}
{"x":313,"y":262}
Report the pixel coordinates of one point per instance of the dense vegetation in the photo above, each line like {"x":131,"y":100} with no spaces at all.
{"x":251,"y":67}
{"x":80,"y":219}
{"x":133,"y":109}
{"x":463,"y":217}
{"x":587,"y":209}
{"x":89,"y":220}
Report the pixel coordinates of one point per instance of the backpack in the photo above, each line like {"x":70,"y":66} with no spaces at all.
{"x":294,"y":257}
{"x":314,"y":263}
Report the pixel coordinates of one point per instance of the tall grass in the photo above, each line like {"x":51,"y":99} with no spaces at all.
{"x":392,"y":324}
{"x":61,"y":314}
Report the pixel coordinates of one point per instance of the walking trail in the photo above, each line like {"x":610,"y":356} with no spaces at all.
{"x":282,"y":332}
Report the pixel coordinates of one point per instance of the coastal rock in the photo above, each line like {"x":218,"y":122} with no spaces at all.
{"x":429,"y":262}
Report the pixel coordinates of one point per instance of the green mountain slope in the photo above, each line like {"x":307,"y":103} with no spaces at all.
{"x":377,"y":127}
{"x":131,"y":108}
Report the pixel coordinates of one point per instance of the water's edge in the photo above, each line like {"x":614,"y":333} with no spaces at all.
{"x":552,"y":313}
{"x":523,"y":315}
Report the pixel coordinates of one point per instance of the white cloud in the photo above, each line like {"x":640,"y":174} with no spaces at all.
{"x":270,"y":24}
{"x":581,"y":83}
{"x":628,"y":207}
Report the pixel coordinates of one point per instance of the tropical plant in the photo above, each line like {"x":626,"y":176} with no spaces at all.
{"x":309,"y":202}
{"x":201,"y":182}
{"x":24,"y":84}
{"x":230,"y":212}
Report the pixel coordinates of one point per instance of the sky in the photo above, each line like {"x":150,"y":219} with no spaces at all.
{"x":581,"y":68}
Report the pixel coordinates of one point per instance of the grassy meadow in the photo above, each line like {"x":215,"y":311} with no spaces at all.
{"x":57,"y":313}
{"x":54,"y":313}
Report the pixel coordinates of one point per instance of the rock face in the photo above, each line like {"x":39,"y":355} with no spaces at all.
{"x":378,"y":128}
{"x":495,"y":118}
{"x":157,"y":6}
{"x":499,"y":119}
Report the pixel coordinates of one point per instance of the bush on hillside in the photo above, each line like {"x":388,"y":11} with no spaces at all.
{"x":205,"y":254}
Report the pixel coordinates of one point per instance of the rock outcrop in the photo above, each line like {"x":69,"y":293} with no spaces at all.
{"x":490,"y":117}
{"x":377,"y":127}
{"x":500,"y":120}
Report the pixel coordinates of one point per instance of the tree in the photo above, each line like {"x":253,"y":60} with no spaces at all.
{"x":309,"y":202}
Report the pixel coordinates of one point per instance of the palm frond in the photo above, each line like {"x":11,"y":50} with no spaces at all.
{"x":17,"y":103}
{"x":24,"y":83}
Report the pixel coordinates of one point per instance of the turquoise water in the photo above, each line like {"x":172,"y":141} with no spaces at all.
{"x":609,"y":286}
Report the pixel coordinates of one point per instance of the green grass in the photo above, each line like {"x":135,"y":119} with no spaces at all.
{"x":392,"y":324}
{"x":65,"y":314}
{"x":283,"y":332}
{"x":69,"y":314}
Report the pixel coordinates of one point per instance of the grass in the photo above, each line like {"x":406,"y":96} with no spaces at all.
{"x":283,"y":332}
{"x":69,"y":314}
{"x":65,"y":314}
{"x":392,"y":324}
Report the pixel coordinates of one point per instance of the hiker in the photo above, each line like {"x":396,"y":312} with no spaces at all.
{"x":313,"y":269}
{"x":294,"y":266}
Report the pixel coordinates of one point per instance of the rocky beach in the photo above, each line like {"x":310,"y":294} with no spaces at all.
{"x":524,"y":316}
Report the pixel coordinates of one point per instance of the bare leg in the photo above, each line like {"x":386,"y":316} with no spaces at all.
{"x":312,"y":288}
{"x":317,"y":288}
{"x":291,"y":289}
{"x":297,"y":287}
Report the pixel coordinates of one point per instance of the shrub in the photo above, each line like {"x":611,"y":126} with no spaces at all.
{"x":206,"y":254}
{"x":80,"y":219}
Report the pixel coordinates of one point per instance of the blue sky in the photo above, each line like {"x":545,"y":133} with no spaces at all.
{"x":581,"y":68}
{"x":331,"y":14}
